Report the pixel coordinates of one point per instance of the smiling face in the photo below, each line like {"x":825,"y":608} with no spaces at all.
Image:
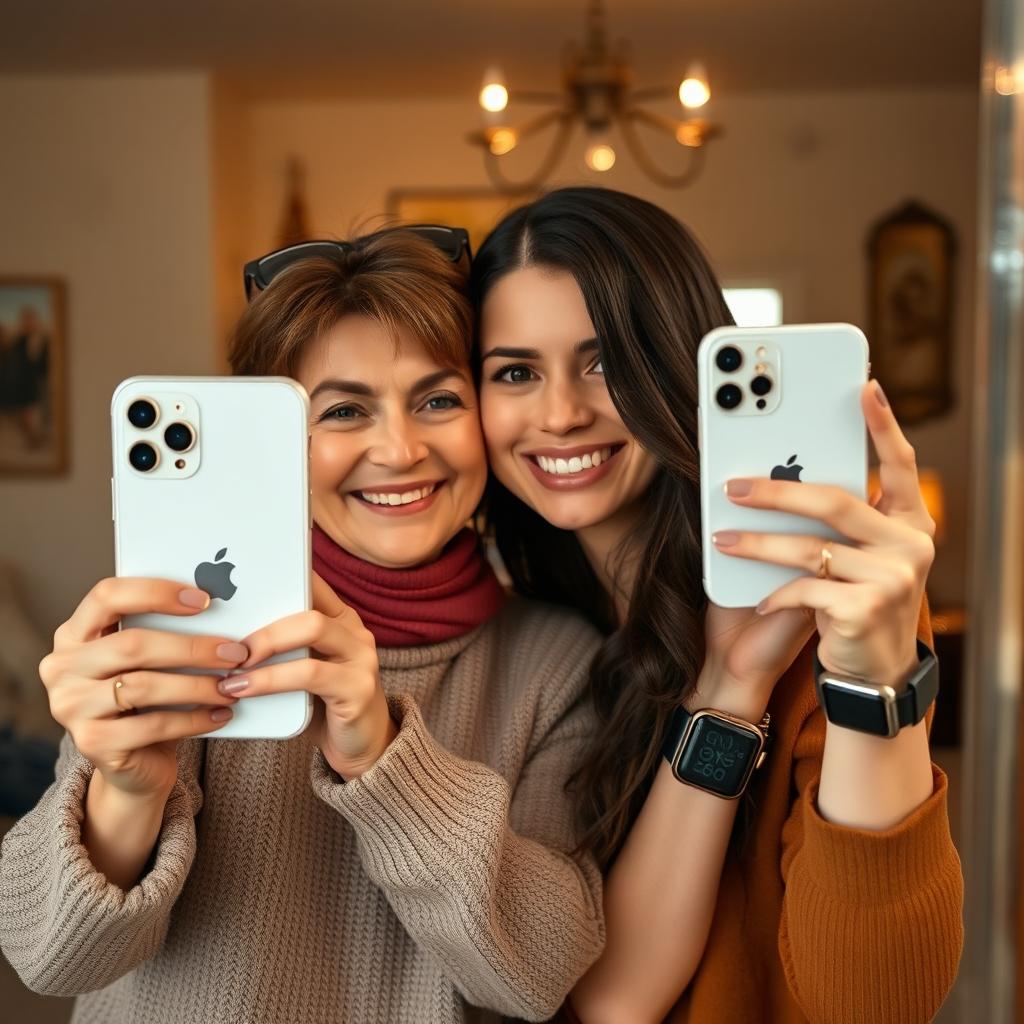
{"x":397,"y":461}
{"x":554,"y":436}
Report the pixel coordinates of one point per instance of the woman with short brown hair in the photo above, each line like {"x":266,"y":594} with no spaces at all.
{"x":408,"y":857}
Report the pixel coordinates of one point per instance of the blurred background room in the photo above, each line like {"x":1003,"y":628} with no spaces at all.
{"x":840,"y":160}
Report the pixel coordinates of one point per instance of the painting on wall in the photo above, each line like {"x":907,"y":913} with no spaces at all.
{"x":911,"y":255}
{"x":475,"y":209}
{"x":33,"y":414}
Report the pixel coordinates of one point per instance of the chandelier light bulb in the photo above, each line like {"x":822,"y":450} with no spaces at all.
{"x":493,"y":94}
{"x":600,"y":157}
{"x":502,"y":141}
{"x":694,"y":90}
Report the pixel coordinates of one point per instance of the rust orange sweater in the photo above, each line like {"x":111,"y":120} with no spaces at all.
{"x":821,"y":923}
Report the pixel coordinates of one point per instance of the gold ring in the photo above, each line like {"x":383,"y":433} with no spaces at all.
{"x":826,"y":558}
{"x":118,"y":687}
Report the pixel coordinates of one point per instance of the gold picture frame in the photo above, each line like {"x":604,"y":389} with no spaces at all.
{"x":477,"y":210}
{"x":911,"y":253}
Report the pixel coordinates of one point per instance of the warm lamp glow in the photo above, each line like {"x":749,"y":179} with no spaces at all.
{"x":930,"y":484}
{"x":502,"y":141}
{"x":689,"y":135}
{"x":600,"y":157}
{"x":694,"y":90}
{"x":493,"y":94}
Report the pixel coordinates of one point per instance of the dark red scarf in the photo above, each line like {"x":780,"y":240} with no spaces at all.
{"x":438,"y":601}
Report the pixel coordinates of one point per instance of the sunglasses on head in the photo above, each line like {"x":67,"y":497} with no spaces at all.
{"x":258,"y":273}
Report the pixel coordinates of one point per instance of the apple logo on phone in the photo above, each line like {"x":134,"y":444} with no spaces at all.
{"x":790,"y":471}
{"x":215,"y":577}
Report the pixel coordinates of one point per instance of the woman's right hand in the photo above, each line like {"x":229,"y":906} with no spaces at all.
{"x":136,"y":754}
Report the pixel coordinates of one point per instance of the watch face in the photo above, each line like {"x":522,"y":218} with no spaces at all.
{"x":718,"y":755}
{"x":855,"y":708}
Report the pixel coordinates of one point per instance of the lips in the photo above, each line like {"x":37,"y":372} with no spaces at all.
{"x":562,"y":469}
{"x":398,"y":499}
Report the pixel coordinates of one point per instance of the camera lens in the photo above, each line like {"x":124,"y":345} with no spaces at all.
{"x":142,"y":414}
{"x":761,"y":385}
{"x":729,"y":359}
{"x":178,"y":437}
{"x":729,"y":396}
{"x":143,"y":457}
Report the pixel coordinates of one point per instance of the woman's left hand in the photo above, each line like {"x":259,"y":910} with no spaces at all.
{"x":867,"y":611}
{"x":352,"y":725}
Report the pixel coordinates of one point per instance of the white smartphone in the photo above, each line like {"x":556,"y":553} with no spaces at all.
{"x":781,"y":402}
{"x":211,"y":487}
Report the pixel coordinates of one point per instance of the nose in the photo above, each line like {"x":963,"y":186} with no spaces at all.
{"x":564,"y":408}
{"x":397,"y":445}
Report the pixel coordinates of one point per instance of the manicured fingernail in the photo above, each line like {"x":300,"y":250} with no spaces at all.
{"x":762,"y":607}
{"x":221,"y":714}
{"x":725,"y":538}
{"x":880,"y":396}
{"x":232,"y":652}
{"x":738,"y":488}
{"x":193,"y":598}
{"x":232,"y":685}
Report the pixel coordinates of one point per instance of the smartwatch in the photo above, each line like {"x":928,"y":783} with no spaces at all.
{"x":873,"y":707}
{"x":715,"y":751}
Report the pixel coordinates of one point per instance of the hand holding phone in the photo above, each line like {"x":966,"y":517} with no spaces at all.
{"x":781,"y":403}
{"x":211,"y":488}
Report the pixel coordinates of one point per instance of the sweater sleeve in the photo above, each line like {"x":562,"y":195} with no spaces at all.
{"x":480,"y":875}
{"x":870,"y":919}
{"x":64,"y":928}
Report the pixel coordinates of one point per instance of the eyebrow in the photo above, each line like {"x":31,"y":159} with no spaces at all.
{"x":355,"y":387}
{"x":581,"y":347}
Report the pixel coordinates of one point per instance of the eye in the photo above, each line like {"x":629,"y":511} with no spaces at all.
{"x":343,"y":413}
{"x":517,"y":373}
{"x":596,"y":368}
{"x":443,"y":402}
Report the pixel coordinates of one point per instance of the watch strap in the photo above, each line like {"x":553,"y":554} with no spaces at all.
{"x":912,"y":704}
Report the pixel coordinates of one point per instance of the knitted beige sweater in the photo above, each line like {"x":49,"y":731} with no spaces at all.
{"x":436,"y":884}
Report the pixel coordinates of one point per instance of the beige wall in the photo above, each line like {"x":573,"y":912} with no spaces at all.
{"x":106,"y":183}
{"x":788,"y":193}
{"x":148,"y":192}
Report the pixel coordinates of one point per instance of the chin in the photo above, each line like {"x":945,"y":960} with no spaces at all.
{"x":575,"y":514}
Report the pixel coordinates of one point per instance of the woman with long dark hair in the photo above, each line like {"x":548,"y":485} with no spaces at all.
{"x":837,"y":893}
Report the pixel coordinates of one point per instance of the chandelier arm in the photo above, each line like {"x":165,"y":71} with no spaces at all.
{"x":531,"y":184}
{"x":648,"y":166}
{"x":652,"y":93}
{"x":540,"y":122}
{"x":534,"y":96}
{"x":659,"y":121}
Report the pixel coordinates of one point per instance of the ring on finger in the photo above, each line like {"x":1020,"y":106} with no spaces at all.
{"x":122,"y":705}
{"x":826,"y":559}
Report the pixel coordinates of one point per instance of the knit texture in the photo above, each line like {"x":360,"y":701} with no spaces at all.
{"x":437,"y":887}
{"x":820,"y":923}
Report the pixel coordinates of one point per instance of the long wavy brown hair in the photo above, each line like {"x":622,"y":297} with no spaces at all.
{"x":652,"y":295}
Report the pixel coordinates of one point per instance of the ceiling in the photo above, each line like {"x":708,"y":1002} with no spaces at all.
{"x":440,"y":47}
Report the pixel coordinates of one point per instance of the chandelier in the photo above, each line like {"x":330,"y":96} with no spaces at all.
{"x":597,"y":91}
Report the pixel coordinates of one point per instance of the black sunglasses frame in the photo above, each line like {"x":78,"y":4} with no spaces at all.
{"x":258,"y":273}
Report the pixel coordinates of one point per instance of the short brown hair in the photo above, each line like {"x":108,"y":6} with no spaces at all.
{"x":394,"y":277}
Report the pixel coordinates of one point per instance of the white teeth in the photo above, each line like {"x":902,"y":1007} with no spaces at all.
{"x":567,"y":467}
{"x":393,"y":498}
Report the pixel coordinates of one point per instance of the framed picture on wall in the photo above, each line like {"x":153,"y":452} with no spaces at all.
{"x":33,"y":387}
{"x":911,"y":254}
{"x":475,"y":209}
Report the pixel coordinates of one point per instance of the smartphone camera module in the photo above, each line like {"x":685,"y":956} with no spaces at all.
{"x":729,"y":396}
{"x":179,"y":437}
{"x":143,"y":457}
{"x":761,"y":386}
{"x":142,"y":413}
{"x":728,"y":359}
